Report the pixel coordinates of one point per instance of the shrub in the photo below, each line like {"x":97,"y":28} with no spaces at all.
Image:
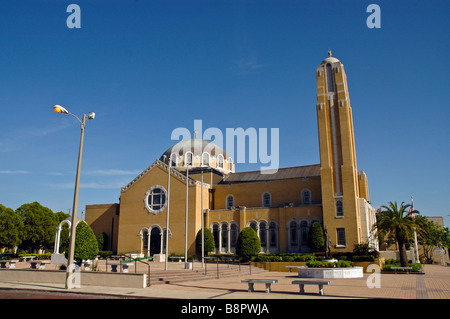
{"x":86,"y":246}
{"x":317,"y":240}
{"x":248,"y":244}
{"x":209,"y":242}
{"x":319,"y":264}
{"x":101,"y":241}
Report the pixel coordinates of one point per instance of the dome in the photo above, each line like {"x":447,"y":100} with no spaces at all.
{"x":330,"y":59}
{"x":198,"y":153}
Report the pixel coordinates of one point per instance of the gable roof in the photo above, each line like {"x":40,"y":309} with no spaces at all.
{"x":282,"y":173}
{"x":173,"y":171}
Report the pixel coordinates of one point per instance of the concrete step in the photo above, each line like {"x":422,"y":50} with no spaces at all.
{"x":176,"y":276}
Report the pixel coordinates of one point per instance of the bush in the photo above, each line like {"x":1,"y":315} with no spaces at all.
{"x":209,"y":242}
{"x":86,"y":246}
{"x":317,"y":240}
{"x":339,"y":264}
{"x":248,"y":244}
{"x":101,"y":241}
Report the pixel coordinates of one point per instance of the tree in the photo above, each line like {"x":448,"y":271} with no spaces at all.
{"x":11,"y":228}
{"x":209,"y":242}
{"x":39,"y":226}
{"x":430,"y":236}
{"x":394,"y":220}
{"x":248,"y":243}
{"x":86,"y":246}
{"x":101,"y":241}
{"x":316,"y":239}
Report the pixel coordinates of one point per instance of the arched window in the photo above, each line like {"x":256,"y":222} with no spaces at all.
{"x":266,"y":200}
{"x":330,"y":79}
{"x":306,"y":197}
{"x":216,"y":235}
{"x":273,"y":234}
{"x":145,"y":240}
{"x":230,"y":164}
{"x":304,"y":232}
{"x":230,"y":202}
{"x":155,"y":241}
{"x":205,"y":159}
{"x":188,"y":159}
{"x":220,"y":161}
{"x":234,"y":235}
{"x":224,"y":236}
{"x":293,"y":232}
{"x":262,"y":235}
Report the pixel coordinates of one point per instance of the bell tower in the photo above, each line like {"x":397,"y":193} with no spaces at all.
{"x":339,"y":175}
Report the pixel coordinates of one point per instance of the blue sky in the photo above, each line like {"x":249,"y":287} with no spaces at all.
{"x":148,"y":67}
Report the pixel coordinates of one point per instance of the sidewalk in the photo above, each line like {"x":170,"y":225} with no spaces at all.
{"x":435,"y":284}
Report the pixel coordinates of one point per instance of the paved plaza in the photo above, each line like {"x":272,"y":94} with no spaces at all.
{"x":434,"y":284}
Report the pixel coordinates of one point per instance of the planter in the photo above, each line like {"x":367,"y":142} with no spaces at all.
{"x":351,"y":272}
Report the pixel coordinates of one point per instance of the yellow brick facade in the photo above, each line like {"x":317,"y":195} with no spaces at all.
{"x":281,"y":207}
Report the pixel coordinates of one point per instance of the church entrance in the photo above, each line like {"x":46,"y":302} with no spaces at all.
{"x":155,"y":241}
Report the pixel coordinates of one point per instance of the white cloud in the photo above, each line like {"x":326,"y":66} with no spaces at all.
{"x":245,"y":66}
{"x":91,"y":185}
{"x":14,"y":172}
{"x":112,"y":172}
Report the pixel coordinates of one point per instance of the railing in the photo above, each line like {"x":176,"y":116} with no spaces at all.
{"x":135,"y":265}
{"x":228,"y":262}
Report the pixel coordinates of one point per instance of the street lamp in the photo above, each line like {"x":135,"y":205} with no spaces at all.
{"x":70,"y":265}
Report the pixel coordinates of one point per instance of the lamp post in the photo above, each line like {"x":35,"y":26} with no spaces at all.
{"x":70,"y":265}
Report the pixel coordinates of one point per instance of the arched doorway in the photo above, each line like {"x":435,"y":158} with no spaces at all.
{"x":155,"y":241}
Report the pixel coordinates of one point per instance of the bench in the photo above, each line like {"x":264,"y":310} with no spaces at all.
{"x":12,"y":263}
{"x":252,"y":282}
{"x":124,"y":266}
{"x":38,"y":264}
{"x":177,"y":258}
{"x":302,"y":284}
{"x":407,"y":269}
{"x":24,"y":258}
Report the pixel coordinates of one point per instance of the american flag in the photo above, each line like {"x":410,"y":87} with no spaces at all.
{"x":411,"y":214}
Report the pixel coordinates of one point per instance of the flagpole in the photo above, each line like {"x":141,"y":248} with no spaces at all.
{"x":167,"y":215}
{"x":186,"y":217}
{"x":203,"y":230}
{"x":415,"y":233}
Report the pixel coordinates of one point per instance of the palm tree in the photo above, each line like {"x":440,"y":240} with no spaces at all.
{"x":396,"y":221}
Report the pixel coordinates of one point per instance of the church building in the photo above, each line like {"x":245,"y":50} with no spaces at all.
{"x":197,"y":179}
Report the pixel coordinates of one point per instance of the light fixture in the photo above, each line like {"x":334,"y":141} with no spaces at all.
{"x":60,"y":109}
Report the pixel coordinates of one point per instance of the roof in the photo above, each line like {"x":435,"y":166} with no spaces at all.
{"x":282,"y":173}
